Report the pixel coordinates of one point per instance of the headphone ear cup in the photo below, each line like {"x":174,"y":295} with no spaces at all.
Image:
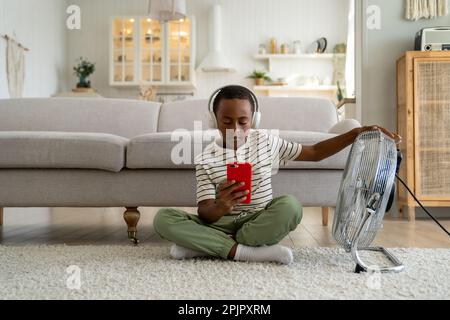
{"x":212,"y":120}
{"x":256,"y":120}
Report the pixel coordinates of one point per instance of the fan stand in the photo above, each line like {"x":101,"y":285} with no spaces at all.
{"x":360,"y":265}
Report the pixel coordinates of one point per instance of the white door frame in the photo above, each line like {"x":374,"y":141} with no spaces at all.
{"x":360,"y":55}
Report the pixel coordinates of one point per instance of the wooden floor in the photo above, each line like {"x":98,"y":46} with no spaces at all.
{"x":100,"y":226}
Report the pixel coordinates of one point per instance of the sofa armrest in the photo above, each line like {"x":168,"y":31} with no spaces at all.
{"x":344,"y":126}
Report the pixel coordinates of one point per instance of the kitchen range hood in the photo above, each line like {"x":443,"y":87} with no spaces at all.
{"x":215,"y":60}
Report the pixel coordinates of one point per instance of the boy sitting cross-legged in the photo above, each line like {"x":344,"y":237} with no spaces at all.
{"x":224,"y":226}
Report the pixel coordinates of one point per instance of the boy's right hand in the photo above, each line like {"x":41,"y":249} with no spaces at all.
{"x":227,"y":198}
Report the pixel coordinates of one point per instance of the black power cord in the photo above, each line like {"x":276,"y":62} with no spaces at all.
{"x":412,"y":194}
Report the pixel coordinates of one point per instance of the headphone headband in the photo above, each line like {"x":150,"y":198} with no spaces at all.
{"x":215,"y":93}
{"x":256,"y":118}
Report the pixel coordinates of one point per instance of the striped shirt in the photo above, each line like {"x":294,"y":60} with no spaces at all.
{"x":262,"y":149}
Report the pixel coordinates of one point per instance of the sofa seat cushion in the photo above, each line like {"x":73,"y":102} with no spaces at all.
{"x":164,"y":150}
{"x":167,"y":150}
{"x":36,"y":149}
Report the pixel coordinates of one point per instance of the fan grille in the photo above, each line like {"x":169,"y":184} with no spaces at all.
{"x":370,"y":169}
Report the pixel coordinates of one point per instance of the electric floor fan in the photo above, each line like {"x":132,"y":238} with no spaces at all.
{"x":366,"y":193}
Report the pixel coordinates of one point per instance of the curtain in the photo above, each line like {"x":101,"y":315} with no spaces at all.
{"x":15,"y":68}
{"x":425,"y":9}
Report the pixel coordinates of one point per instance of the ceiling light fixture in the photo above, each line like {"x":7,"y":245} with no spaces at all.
{"x":167,"y":10}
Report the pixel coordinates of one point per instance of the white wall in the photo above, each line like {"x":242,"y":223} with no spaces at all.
{"x":250,"y":22}
{"x":92,"y":42}
{"x":40,"y":26}
{"x":382,"y":49}
{"x":246,"y":24}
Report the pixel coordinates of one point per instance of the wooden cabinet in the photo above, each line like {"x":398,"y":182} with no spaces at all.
{"x":151,"y":51}
{"x":148,"y":52}
{"x":423,"y":120}
{"x":124,"y":51}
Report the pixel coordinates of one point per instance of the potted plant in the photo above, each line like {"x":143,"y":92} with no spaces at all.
{"x":83,"y":70}
{"x":260,"y":77}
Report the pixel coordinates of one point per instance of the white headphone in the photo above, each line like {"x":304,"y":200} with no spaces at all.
{"x":256,"y":119}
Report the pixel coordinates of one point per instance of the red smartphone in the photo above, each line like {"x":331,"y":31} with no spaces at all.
{"x":241,"y":172}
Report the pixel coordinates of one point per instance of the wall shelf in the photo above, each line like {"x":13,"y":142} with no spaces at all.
{"x":322,"y":68}
{"x":182,"y":85}
{"x":299,"y":56}
{"x":295,"y":88}
{"x":321,"y":91}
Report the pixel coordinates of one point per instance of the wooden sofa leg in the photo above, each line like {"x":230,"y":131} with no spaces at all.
{"x":1,"y":217}
{"x":325,"y":213}
{"x":131,"y":216}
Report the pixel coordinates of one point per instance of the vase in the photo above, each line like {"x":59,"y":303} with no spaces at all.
{"x":83,"y":82}
{"x":259,"y":81}
{"x":262,"y":49}
{"x":273,"y":46}
{"x":297,"y":47}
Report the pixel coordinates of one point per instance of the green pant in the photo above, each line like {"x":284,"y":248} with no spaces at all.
{"x":265,"y":227}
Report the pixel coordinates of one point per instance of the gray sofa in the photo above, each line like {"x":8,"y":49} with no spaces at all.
{"x":72,"y":152}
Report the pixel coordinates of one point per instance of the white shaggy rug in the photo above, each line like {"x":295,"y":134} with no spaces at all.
{"x":147,"y":272}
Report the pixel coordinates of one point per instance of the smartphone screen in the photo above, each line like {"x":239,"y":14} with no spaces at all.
{"x":241,"y":172}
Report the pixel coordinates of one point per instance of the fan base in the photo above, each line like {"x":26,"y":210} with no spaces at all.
{"x":359,"y":269}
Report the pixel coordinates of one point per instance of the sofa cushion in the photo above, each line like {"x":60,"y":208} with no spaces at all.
{"x":297,"y":113}
{"x":162,"y":150}
{"x":336,"y":161}
{"x":283,"y":113}
{"x":34,"y":149}
{"x":183,"y":115}
{"x":123,"y":117}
